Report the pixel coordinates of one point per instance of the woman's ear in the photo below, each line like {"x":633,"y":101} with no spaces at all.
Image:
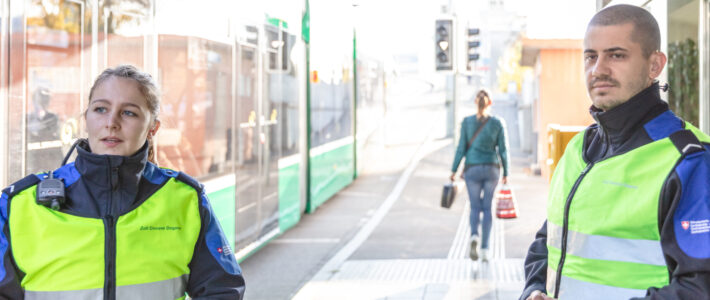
{"x":154,"y":129}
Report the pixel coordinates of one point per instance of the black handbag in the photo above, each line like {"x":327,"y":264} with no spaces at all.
{"x":448,"y":195}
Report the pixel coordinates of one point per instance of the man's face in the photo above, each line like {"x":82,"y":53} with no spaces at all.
{"x":614,"y":65}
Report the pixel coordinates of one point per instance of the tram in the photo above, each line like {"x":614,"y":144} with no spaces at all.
{"x":261,"y":100}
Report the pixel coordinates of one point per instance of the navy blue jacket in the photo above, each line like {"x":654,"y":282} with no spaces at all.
{"x":88,"y":183}
{"x":684,"y":196}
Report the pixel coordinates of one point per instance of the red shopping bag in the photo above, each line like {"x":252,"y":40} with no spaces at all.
{"x":506,"y":207}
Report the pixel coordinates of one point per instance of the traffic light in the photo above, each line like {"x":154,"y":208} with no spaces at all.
{"x":473,"y":44}
{"x":444,"y":45}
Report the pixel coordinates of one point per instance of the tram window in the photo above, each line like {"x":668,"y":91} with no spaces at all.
{"x":54,"y":82}
{"x":278,"y":44}
{"x":247,"y":137}
{"x":290,"y":86}
{"x":331,"y":96}
{"x":196,"y":77}
{"x":252,"y":34}
{"x":331,"y":100}
{"x":273,"y":45}
{"x":123,"y":27}
{"x":286,"y":46}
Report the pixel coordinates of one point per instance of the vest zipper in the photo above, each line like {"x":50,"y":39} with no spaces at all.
{"x":110,"y":244}
{"x":110,"y":259}
{"x":565,"y":222}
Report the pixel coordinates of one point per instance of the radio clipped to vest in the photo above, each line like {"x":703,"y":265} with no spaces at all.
{"x":50,"y":192}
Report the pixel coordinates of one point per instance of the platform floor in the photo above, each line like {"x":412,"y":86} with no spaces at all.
{"x":386,"y":237}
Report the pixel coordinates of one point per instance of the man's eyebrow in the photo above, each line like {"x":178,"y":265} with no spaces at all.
{"x":614,"y":49}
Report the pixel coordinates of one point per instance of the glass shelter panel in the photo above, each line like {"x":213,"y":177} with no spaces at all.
{"x":57,"y":43}
{"x":124,"y":24}
{"x":683,"y":76}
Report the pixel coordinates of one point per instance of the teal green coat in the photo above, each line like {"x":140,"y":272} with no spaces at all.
{"x":490,"y":146}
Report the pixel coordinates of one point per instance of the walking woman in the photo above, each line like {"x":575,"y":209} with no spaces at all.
{"x":484,"y":145}
{"x":111,"y":224}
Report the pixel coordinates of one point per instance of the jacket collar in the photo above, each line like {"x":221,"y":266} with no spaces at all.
{"x":621,"y":122}
{"x":104,"y":174}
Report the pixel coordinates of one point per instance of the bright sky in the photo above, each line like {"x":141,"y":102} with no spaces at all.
{"x":555,"y":18}
{"x":396,"y":26}
{"x":399,"y":26}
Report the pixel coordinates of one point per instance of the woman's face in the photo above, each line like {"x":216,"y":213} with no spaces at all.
{"x":118,"y":119}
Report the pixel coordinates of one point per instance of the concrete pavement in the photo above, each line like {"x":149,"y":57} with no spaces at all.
{"x":416,"y":250}
{"x":385,"y":236}
{"x":420,"y":251}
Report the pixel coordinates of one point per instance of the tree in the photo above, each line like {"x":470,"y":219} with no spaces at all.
{"x":509,"y":68}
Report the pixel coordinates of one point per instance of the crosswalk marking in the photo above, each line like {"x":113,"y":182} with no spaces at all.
{"x":431,"y":270}
{"x":460,"y":246}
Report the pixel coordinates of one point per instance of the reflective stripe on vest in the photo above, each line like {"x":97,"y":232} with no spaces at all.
{"x":613,"y":243}
{"x":606,"y":247}
{"x":576,"y":289}
{"x":155,"y":290}
{"x":63,"y":254}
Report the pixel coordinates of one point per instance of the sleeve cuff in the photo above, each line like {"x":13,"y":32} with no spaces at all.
{"x":531,"y":288}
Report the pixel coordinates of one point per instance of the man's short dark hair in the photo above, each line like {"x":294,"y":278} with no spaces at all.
{"x":645,"y":31}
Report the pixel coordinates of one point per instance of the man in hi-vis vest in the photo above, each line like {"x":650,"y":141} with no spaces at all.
{"x":628,"y":212}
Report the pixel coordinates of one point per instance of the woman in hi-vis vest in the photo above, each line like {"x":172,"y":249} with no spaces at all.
{"x":112,"y":224}
{"x":484,"y":144}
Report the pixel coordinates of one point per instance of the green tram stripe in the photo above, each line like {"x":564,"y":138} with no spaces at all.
{"x":289,"y":192}
{"x":331,"y":170}
{"x":223,"y":202}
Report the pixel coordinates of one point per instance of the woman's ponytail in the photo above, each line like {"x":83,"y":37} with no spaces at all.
{"x":483,"y":101}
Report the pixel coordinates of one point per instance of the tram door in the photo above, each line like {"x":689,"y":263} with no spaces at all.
{"x":258,"y":141}
{"x":248,"y":156}
{"x":269,"y":128}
